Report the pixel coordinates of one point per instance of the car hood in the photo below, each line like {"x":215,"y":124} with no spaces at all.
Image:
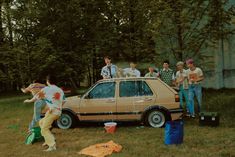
{"x":72,"y":103}
{"x":72,"y":98}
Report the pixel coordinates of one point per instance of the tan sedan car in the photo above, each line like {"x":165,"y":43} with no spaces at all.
{"x":147,"y":100}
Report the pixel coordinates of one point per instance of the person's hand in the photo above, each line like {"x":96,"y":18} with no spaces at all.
{"x":192,"y":80}
{"x":175,"y":83}
{"x":27,"y":101}
{"x":196,"y":80}
{"x":50,"y":110}
{"x":181,"y":81}
{"x":23,"y":90}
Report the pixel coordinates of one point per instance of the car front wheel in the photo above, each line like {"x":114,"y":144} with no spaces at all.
{"x":66,"y":121}
{"x":156,"y":119}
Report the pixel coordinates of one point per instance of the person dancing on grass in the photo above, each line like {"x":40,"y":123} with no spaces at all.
{"x":54,"y":97}
{"x":34,"y":88}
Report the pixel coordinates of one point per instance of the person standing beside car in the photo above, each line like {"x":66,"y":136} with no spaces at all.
{"x":182,"y":83}
{"x":109,"y":70}
{"x":166,"y":74}
{"x":195,"y":77}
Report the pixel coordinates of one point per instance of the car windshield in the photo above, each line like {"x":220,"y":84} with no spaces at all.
{"x":86,"y":93}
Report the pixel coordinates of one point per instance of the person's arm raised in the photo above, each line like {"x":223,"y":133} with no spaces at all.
{"x":30,"y":100}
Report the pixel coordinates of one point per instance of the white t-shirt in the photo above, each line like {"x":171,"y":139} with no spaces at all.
{"x":54,"y":97}
{"x":195,"y":74}
{"x":182,"y":75}
{"x":129,"y":72}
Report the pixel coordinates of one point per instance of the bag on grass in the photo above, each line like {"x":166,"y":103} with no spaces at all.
{"x":209,"y":119}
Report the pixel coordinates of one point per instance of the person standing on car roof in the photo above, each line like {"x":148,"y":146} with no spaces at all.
{"x":166,"y":74}
{"x":132,"y":71}
{"x":151,"y":72}
{"x":195,"y":77}
{"x":109,"y":70}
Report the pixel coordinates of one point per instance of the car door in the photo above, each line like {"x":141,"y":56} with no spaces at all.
{"x":146,"y":96}
{"x":132,"y":99}
{"x":99,"y":103}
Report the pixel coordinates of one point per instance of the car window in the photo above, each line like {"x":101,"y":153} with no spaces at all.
{"x":144,"y":89}
{"x":103,"y":90}
{"x":134,"y":88}
{"x":128,"y":89}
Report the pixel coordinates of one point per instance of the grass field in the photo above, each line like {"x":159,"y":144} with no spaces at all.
{"x":136,"y":141}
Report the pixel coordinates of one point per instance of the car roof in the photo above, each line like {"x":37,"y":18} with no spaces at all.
{"x":128,"y":79}
{"x":136,"y":78}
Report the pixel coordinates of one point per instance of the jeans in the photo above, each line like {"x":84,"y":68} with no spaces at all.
{"x":195,"y":90}
{"x":183,"y":94}
{"x":38,"y":105}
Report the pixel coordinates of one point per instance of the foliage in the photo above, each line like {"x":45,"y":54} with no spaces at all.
{"x":70,"y":37}
{"x":185,"y":27}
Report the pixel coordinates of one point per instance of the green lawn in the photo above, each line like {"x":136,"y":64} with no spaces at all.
{"x":136,"y":141}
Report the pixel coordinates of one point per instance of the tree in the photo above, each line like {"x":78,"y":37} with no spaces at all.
{"x":70,"y":37}
{"x":1,"y":24}
{"x":184,"y":27}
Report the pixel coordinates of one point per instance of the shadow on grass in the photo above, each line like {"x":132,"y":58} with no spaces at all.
{"x":101,"y":124}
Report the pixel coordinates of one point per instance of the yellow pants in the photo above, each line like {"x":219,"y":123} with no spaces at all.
{"x":45,"y":125}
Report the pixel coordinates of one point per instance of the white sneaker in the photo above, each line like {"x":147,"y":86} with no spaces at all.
{"x":187,"y":115}
{"x":44,"y":144}
{"x":50,"y":148}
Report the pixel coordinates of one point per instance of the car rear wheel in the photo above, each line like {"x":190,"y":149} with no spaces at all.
{"x":156,"y":119}
{"x":66,"y":121}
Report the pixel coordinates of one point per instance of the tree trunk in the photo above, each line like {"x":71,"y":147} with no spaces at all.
{"x":179,"y":31}
{"x":180,"y":43}
{"x":1,"y":27}
{"x":9,"y":25}
{"x":74,"y":86}
{"x":89,"y":75}
{"x":132,"y":31}
{"x":93,"y":68}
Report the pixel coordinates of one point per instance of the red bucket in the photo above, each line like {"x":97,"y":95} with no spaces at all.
{"x":110,"y":127}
